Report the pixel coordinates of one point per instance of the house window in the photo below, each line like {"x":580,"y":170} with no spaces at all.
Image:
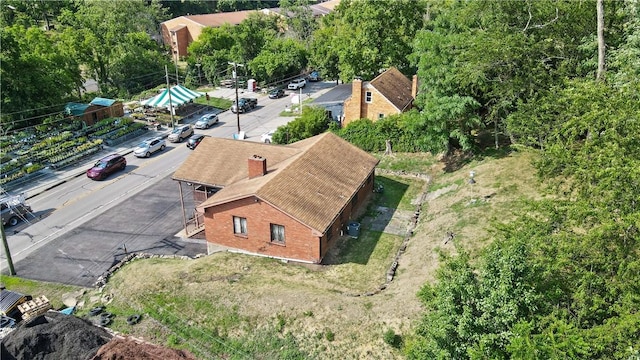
{"x":380,"y":116}
{"x":277,"y":233}
{"x":239,"y":225}
{"x":368,"y":97}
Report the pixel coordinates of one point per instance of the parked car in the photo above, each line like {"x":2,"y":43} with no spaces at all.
{"x":194,"y":140}
{"x":267,"y":137}
{"x":106,"y":166}
{"x":276,"y":94}
{"x":297,"y":84}
{"x":206,"y":121}
{"x":180,"y":133}
{"x":148,"y":147}
{"x":314,"y":76}
{"x":244,"y":104}
{"x":13,"y":210}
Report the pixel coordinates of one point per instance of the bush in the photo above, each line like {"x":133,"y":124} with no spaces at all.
{"x":393,"y":339}
{"x":33,"y":168}
{"x":329,"y":335}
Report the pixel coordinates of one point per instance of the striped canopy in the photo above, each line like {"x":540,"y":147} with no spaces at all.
{"x":179,"y":96}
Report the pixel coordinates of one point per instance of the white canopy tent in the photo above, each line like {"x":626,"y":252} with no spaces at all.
{"x":179,"y":96}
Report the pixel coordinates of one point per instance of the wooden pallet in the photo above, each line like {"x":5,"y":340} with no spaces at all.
{"x":34,"y":307}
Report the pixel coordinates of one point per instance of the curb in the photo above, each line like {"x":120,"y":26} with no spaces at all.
{"x":73,"y":175}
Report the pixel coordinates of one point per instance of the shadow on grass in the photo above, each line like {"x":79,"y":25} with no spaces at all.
{"x":358,"y":250}
{"x":458,"y":158}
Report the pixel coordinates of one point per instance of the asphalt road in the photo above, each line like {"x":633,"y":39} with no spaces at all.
{"x":82,"y":227}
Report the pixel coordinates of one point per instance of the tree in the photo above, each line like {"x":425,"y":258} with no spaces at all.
{"x":101,"y":29}
{"x":137,"y":70}
{"x":278,"y":59}
{"x":324,"y":56}
{"x":311,"y":122}
{"x":499,"y":55}
{"x":300,"y":20}
{"x":369,"y":36}
{"x":37,"y":73}
{"x":601,"y":42}
{"x":252,"y":34}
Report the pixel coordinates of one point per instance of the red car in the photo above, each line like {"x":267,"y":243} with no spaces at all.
{"x":106,"y":166}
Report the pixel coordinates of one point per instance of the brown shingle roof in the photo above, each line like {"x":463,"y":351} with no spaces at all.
{"x":312,"y":185}
{"x":393,"y":85}
{"x":222,"y":162}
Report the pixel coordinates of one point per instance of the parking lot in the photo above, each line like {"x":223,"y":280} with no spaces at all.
{"x":146,"y":222}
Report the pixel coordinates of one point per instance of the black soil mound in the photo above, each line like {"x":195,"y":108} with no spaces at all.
{"x":53,"y":336}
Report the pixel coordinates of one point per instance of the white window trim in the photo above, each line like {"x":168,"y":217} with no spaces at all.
{"x":277,"y":234}
{"x":239,"y":225}
{"x":368,"y":97}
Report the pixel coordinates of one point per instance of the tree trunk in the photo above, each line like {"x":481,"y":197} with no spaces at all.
{"x":601,"y":44}
{"x":387,"y":150}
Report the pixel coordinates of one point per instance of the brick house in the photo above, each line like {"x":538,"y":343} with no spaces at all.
{"x":98,"y":109}
{"x":389,"y":93}
{"x":283,"y":201}
{"x":178,"y":33}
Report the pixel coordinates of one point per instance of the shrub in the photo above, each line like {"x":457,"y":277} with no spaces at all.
{"x":393,"y":339}
{"x":329,"y":335}
{"x":33,"y":168}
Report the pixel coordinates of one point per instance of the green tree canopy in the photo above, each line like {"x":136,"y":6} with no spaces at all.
{"x":38,"y":75}
{"x":368,"y":36}
{"x":279,"y":59}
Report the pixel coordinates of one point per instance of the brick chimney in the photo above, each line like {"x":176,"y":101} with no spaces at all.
{"x":353,"y":105}
{"x":257,"y":166}
{"x":414,"y":87}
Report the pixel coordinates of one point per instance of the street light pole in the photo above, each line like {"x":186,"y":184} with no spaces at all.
{"x":235,"y":77}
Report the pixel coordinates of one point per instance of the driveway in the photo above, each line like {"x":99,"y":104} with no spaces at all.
{"x":146,"y":222}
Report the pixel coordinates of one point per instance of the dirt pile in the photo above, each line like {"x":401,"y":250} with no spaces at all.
{"x":128,"y":349}
{"x":53,"y":336}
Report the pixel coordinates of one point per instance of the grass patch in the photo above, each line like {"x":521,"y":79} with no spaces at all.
{"x":398,"y":192}
{"x":219,"y":103}
{"x":54,"y":292}
{"x":415,"y":163}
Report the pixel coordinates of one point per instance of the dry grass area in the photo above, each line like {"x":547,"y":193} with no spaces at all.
{"x":236,"y":295}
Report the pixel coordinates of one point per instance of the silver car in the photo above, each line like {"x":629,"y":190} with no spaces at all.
{"x":148,"y":147}
{"x":180,"y":133}
{"x":206,"y":121}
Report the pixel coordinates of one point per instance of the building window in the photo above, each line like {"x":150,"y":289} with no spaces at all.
{"x":380,"y":116}
{"x":277,"y":233}
{"x":368,"y":97}
{"x":239,"y":225}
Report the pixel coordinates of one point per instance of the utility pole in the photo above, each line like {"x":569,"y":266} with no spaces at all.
{"x":12,"y":270}
{"x":166,"y":72}
{"x":235,"y":77}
